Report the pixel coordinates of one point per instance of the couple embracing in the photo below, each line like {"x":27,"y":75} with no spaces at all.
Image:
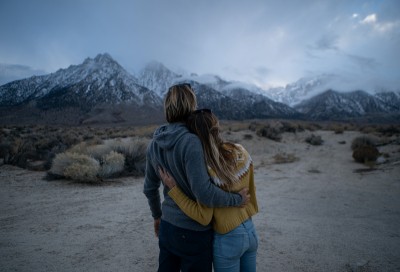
{"x":209,"y":191}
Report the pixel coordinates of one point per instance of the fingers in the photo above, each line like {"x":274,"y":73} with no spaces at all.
{"x":245,"y":196}
{"x":163,"y":173}
{"x":157,"y":226}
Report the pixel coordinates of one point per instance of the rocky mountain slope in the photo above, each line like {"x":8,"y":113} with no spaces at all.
{"x":333,"y":105}
{"x":101,"y":91}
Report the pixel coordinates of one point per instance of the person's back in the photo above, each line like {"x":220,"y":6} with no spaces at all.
{"x":230,"y":167}
{"x":184,"y":243}
{"x":178,"y":150}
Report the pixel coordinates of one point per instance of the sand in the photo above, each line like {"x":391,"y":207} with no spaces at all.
{"x":322,"y":212}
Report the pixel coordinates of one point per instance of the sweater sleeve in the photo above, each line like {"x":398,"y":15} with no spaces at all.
{"x":151,"y":189}
{"x":191,"y":208}
{"x":199,"y":181}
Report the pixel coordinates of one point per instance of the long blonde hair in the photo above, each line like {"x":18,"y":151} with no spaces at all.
{"x":179,"y":102}
{"x":222,"y":161}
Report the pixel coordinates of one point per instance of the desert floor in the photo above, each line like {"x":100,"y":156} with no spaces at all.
{"x":322,"y":212}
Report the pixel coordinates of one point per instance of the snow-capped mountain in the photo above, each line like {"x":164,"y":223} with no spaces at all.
{"x":303,"y":89}
{"x":333,"y":105}
{"x":95,"y":81}
{"x":100,"y":90}
{"x":156,"y":77}
{"x":98,"y":85}
{"x":229,"y":100}
{"x":239,"y":104}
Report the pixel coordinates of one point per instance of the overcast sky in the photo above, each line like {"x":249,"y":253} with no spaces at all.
{"x":267,"y":43}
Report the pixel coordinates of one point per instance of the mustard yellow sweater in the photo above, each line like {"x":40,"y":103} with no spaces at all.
{"x":227,"y":218}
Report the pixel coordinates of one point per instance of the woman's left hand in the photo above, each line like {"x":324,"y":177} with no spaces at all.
{"x":167,"y":179}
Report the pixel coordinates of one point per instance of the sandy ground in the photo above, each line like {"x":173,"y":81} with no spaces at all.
{"x":323,"y":212}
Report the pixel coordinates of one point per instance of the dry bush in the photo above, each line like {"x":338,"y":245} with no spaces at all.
{"x":254,"y":126}
{"x":285,"y":158}
{"x":234,"y":126}
{"x":5,"y":152}
{"x":114,"y":157}
{"x":338,"y":129}
{"x":368,"y":129}
{"x":70,"y":138}
{"x":270,"y":133}
{"x":364,"y":149}
{"x":134,"y":150}
{"x":60,"y":163}
{"x":289,"y":127}
{"x":247,"y":136}
{"x":84,"y":168}
{"x":389,"y":130}
{"x":112,"y":164}
{"x":314,"y":140}
{"x":362,"y":141}
{"x":145,"y":131}
{"x":365,"y":154}
{"x":311,"y":126}
{"x":75,"y":166}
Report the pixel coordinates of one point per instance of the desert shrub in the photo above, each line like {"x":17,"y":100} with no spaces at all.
{"x":314,"y":140}
{"x":20,"y":150}
{"x":389,"y":130}
{"x":112,"y":164}
{"x":272,"y":133}
{"x":247,"y":137}
{"x":368,"y":129}
{"x":285,"y":158}
{"x":5,"y":152}
{"x":366,"y":153}
{"x":362,"y":141}
{"x":338,"y":129}
{"x":114,"y":157}
{"x":76,"y":167}
{"x":60,"y":163}
{"x":46,"y":143}
{"x":253,"y":126}
{"x":70,"y":138}
{"x":134,"y":150}
{"x":84,"y":168}
{"x":311,"y":126}
{"x":97,"y":151}
{"x":289,"y":127}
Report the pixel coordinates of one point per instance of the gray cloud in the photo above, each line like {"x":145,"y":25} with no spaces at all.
{"x":327,"y":42}
{"x":362,"y":62}
{"x":11,"y":72}
{"x":258,"y":41}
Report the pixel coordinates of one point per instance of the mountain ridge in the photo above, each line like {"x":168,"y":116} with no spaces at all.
{"x":101,"y":90}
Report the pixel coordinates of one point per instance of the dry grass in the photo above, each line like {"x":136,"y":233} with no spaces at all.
{"x":285,"y":158}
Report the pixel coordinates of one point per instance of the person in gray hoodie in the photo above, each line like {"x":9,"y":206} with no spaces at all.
{"x":185,"y":245}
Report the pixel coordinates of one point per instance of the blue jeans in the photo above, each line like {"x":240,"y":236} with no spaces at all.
{"x":184,"y":250}
{"x":236,"y":250}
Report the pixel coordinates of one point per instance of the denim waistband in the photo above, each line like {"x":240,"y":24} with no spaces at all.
{"x":248,"y":223}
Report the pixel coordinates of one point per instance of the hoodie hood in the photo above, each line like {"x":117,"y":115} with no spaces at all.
{"x":167,"y":135}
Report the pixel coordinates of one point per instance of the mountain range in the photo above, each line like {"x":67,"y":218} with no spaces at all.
{"x":101,"y":91}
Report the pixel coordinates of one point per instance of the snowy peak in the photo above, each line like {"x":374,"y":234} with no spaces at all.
{"x":101,"y":83}
{"x":333,"y":105}
{"x":98,"y":80}
{"x":303,"y":89}
{"x":156,"y":77}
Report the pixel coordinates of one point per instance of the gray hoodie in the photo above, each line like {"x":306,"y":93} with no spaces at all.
{"x":180,"y":152}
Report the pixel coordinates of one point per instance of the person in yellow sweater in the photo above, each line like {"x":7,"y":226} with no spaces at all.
{"x":230,"y":167}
